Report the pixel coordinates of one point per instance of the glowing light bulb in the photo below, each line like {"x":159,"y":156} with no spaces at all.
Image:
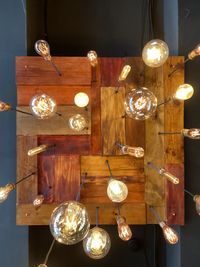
{"x":196,"y":199}
{"x":69,"y":223}
{"x":124,"y":73}
{"x":5,"y":191}
{"x":170,"y":234}
{"x":42,"y":265}
{"x":184,"y":92}
{"x":124,"y":230}
{"x":137,"y":152}
{"x":192,"y":133}
{"x":37,"y":150}
{"x":117,"y":191}
{"x":155,"y":53}
{"x":4,"y":106}
{"x":97,"y":243}
{"x":81,"y":100}
{"x":43,"y":106}
{"x":77,"y":123}
{"x":92,"y":56}
{"x":194,"y":53}
{"x":140,"y":103}
{"x":37,"y":202}
{"x":43,"y":49}
{"x":169,"y":176}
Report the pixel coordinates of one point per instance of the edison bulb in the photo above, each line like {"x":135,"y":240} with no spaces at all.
{"x":194,"y":53}
{"x":43,"y":106}
{"x":170,"y":234}
{"x":4,"y":106}
{"x":92,"y":56}
{"x":124,"y":230}
{"x":155,"y":53}
{"x":5,"y":191}
{"x":196,"y":199}
{"x":140,"y":103}
{"x":97,"y":243}
{"x":117,"y":191}
{"x":137,"y":152}
{"x":42,"y":265}
{"x":81,"y":100}
{"x":169,"y":176}
{"x":77,"y":123}
{"x":37,"y":202}
{"x":124,"y":73}
{"x":36,"y":150}
{"x":184,"y":92}
{"x":192,"y":133}
{"x":69,"y":223}
{"x":43,"y":49}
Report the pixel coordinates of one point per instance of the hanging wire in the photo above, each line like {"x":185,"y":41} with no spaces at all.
{"x":150,"y":164}
{"x":26,"y":177}
{"x":107,"y":162}
{"x":189,"y":193}
{"x":49,"y":252}
{"x":81,"y":187}
{"x":97,"y":216}
{"x":155,"y":213}
{"x":118,"y":209}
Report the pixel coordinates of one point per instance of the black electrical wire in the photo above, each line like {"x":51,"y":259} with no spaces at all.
{"x":45,"y":20}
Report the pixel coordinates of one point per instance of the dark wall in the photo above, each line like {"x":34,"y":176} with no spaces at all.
{"x":189,"y":37}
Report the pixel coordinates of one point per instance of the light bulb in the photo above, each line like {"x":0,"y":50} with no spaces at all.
{"x":184,"y":92}
{"x":37,"y":202}
{"x":155,"y":53}
{"x":196,"y":199}
{"x":169,"y":176}
{"x":194,"y":53}
{"x":77,"y":123}
{"x":97,"y":243}
{"x":42,"y":265}
{"x":92,"y":56}
{"x":117,"y":191}
{"x":192,"y":133}
{"x":124,"y":73}
{"x":170,"y":234}
{"x":81,"y":100}
{"x":43,"y":106}
{"x":137,"y":152}
{"x":140,"y":103}
{"x":5,"y":191}
{"x":37,"y":150}
{"x":4,"y":106}
{"x":69,"y":223}
{"x":43,"y":49}
{"x":124,"y":230}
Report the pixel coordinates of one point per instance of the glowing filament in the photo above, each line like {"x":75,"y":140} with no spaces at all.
{"x":124,"y":73}
{"x":194,"y":53}
{"x":192,"y":133}
{"x":184,"y":92}
{"x":81,"y":99}
{"x":137,"y":152}
{"x":37,"y":202}
{"x":92,"y":56}
{"x":169,"y":176}
{"x":4,"y":106}
{"x":124,"y":230}
{"x":37,"y":150}
{"x":5,"y":191}
{"x":170,"y":234}
{"x":43,"y":49}
{"x":77,"y":123}
{"x":117,"y":191}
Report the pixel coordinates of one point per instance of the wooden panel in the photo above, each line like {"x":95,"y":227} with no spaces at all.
{"x":57,"y":125}
{"x":66,"y":144}
{"x":63,"y":95}
{"x":27,"y":215}
{"x":62,"y":173}
{"x":27,"y":190}
{"x":151,"y":217}
{"x":112,"y":123}
{"x":37,"y":71}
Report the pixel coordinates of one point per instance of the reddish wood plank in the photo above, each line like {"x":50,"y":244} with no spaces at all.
{"x":37,"y":71}
{"x":63,"y":95}
{"x":70,"y":144}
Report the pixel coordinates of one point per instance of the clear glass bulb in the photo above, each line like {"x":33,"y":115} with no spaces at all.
{"x":117,"y":191}
{"x":155,"y":53}
{"x":194,"y":53}
{"x":77,"y":123}
{"x":196,"y":199}
{"x":124,"y":73}
{"x":5,"y":191}
{"x":97,"y":243}
{"x":70,"y":223}
{"x":43,"y":49}
{"x":92,"y":56}
{"x":37,"y":150}
{"x":184,"y":92}
{"x":81,"y":100}
{"x":37,"y":202}
{"x":43,"y":106}
{"x":170,"y":234}
{"x":169,"y":176}
{"x":4,"y":106}
{"x":140,"y":103}
{"x":42,"y":265}
{"x":137,"y":152}
{"x":192,"y":133}
{"x":124,"y":230}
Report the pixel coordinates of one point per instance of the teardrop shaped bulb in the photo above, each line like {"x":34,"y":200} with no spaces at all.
{"x":192,"y":133}
{"x":124,"y":73}
{"x":184,"y":92}
{"x":124,"y":230}
{"x":43,"y":49}
{"x":4,"y":106}
{"x":170,"y":234}
{"x":92,"y":57}
{"x":196,"y":199}
{"x":37,"y":202}
{"x":5,"y":191}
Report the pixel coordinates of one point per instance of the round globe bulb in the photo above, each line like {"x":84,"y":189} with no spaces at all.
{"x":81,"y":100}
{"x":140,"y":103}
{"x":184,"y":92}
{"x":69,"y":223}
{"x":97,"y":243}
{"x":43,"y":106}
{"x":117,"y":191}
{"x":42,"y":265}
{"x":77,"y":123}
{"x":155,"y":53}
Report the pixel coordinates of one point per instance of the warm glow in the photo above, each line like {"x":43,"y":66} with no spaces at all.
{"x":194,"y":53}
{"x":42,"y":265}
{"x":192,"y":133}
{"x":37,"y":150}
{"x":117,"y":191}
{"x":5,"y":191}
{"x":37,"y":202}
{"x":92,"y":56}
{"x":137,"y":152}
{"x":81,"y":100}
{"x":184,"y":92}
{"x":124,"y":73}
{"x":4,"y":106}
{"x":77,"y":123}
{"x":169,"y":176}
{"x":124,"y":230}
{"x":170,"y":234}
{"x":43,"y":49}
{"x":197,"y":202}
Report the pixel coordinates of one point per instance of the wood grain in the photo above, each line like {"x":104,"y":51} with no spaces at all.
{"x":37,"y":71}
